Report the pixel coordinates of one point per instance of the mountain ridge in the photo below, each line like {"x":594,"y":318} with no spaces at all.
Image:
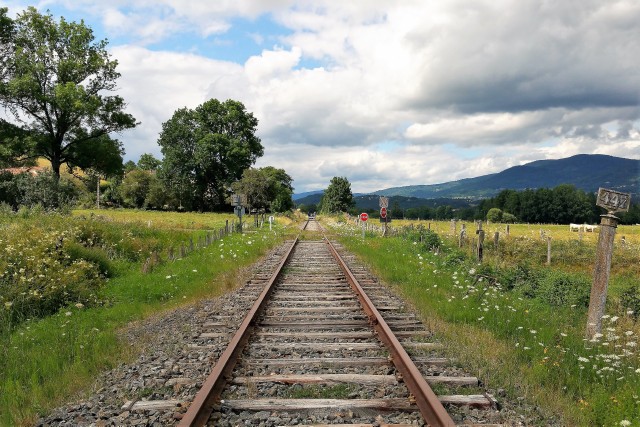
{"x":587,"y":172}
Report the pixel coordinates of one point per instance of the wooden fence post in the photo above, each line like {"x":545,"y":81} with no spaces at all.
{"x":601,"y":272}
{"x":548,"y":250}
{"x":480,"y":244}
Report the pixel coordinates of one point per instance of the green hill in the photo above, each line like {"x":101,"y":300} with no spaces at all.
{"x":587,"y":172}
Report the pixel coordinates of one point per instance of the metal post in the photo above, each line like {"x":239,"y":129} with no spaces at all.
{"x":601,"y":271}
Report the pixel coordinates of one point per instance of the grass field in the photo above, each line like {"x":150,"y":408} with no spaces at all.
{"x":47,"y":358}
{"x":527,"y":244}
{"x":163,"y":220}
{"x":520,"y":324}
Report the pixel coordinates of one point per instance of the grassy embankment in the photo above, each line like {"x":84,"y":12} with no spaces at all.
{"x":69,"y":284}
{"x":519,"y":324}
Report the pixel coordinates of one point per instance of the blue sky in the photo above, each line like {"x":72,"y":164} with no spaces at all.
{"x":389,"y":93}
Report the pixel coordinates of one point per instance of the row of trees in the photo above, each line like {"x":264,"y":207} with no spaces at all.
{"x":147,"y":185}
{"x":57,"y":84}
{"x":563,"y":204}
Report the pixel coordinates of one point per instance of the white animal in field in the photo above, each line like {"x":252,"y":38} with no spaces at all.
{"x":590,"y":228}
{"x":575,"y":227}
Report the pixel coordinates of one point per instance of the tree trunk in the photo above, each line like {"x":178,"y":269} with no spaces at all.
{"x":55,"y":166}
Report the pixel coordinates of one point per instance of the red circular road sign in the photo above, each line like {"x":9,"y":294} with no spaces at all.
{"x":383,"y":212}
{"x":364,"y":216}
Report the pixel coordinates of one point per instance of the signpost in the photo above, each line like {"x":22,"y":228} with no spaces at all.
{"x":384,"y":205}
{"x":237,"y":201}
{"x":363,"y":218}
{"x":613,"y":201}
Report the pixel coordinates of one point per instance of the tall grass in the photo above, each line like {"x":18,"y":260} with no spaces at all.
{"x":43,"y":361}
{"x":532,"y":343}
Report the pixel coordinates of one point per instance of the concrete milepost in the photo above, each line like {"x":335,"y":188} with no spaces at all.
{"x":612,"y":201}
{"x":363,"y":218}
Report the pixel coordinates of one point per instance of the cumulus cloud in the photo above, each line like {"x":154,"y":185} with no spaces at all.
{"x":396,"y":93}
{"x":155,"y":84}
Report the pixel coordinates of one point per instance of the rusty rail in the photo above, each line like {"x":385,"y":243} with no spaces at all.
{"x":430,"y":407}
{"x":209,"y":395}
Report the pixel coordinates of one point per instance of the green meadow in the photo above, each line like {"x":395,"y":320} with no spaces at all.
{"x":69,"y":284}
{"x":516,"y":322}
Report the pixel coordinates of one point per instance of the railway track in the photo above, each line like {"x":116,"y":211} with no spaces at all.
{"x":322,"y":344}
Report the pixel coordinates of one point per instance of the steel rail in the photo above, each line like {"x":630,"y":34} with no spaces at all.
{"x":430,"y":407}
{"x":209,"y":395}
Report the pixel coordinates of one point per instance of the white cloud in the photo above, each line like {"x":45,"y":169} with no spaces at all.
{"x":155,"y":84}
{"x":457,"y":88}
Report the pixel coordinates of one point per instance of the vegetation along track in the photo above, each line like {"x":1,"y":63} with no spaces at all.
{"x":315,"y":348}
{"x":309,"y":356}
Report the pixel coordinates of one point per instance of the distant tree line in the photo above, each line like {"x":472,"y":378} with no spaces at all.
{"x":563,"y":204}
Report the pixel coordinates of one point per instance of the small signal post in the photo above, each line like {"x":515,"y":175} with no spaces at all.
{"x":363,"y":218}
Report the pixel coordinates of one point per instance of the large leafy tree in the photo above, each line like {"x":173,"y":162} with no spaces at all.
{"x":268,"y":188}
{"x":148,"y":163}
{"x":6,"y":48}
{"x":337,"y":197}
{"x":206,"y":149}
{"x":55,"y":82}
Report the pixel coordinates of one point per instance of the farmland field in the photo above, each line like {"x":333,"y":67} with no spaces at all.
{"x":527,"y":243}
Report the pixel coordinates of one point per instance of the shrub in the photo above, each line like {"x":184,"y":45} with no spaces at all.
{"x":494,"y":215}
{"x":37,"y":277}
{"x":521,"y":277}
{"x":630,"y":300}
{"x":562,"y":289}
{"x":430,"y":240}
{"x":93,"y":255}
{"x":454,"y":257}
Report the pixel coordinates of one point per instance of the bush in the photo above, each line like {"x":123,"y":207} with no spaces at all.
{"x":93,"y":255}
{"x":37,"y":277}
{"x":563,"y":289}
{"x":430,"y":240}
{"x":454,"y":257}
{"x":630,"y":300}
{"x":521,"y":277}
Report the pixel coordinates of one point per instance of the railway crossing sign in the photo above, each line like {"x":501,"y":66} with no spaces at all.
{"x":383,"y":212}
{"x":613,"y":201}
{"x":364,"y":216}
{"x":384,"y":202}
